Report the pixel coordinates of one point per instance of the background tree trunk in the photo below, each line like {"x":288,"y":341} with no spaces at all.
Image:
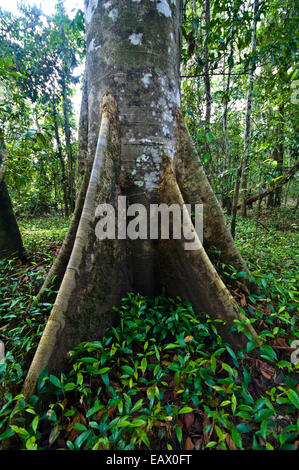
{"x":65,"y":79}
{"x":227,"y":163}
{"x":61,"y":160}
{"x":207,"y":82}
{"x":275,"y":197}
{"x":241,"y":178}
{"x":244,"y":173}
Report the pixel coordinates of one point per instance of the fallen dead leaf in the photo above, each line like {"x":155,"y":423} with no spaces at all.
{"x":280,"y":342}
{"x":230,"y":443}
{"x":243,"y":301}
{"x":188,"y":338}
{"x":266,"y":370}
{"x":189,"y":444}
{"x":268,"y":310}
{"x":188,"y":420}
{"x":243,"y":287}
{"x":110,"y":411}
{"x":261,"y":441}
{"x":197,"y":444}
{"x":4,"y":327}
{"x":205,"y":423}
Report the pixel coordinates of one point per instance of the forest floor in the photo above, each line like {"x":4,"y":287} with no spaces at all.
{"x":163,"y":379}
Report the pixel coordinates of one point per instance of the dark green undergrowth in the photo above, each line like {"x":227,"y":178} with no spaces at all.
{"x":163,"y":379}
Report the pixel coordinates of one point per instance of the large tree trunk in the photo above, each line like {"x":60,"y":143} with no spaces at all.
{"x":138,"y":146}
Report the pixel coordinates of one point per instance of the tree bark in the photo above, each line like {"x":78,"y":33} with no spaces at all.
{"x":241,"y":178}
{"x":140,"y":147}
